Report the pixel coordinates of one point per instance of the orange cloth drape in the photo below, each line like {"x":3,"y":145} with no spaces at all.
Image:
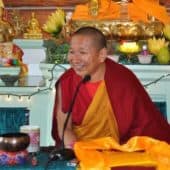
{"x":104,"y":153}
{"x":150,"y":7}
{"x":136,"y":14}
{"x":138,"y":10}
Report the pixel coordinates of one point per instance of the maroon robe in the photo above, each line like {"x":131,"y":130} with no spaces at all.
{"x":134,"y":111}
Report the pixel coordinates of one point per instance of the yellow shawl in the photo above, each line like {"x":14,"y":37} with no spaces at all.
{"x":99,"y":120}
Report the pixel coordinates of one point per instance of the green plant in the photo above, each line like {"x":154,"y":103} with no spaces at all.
{"x":57,"y":53}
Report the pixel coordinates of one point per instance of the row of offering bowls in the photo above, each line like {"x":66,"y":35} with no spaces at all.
{"x":119,"y":29}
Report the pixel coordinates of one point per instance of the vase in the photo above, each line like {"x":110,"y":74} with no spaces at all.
{"x":145,"y":59}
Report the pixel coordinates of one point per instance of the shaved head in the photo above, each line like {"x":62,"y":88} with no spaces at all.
{"x":96,"y":35}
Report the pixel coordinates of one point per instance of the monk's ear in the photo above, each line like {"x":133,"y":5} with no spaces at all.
{"x":103,"y":54}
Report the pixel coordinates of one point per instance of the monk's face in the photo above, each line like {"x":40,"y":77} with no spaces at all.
{"x":85,"y":58}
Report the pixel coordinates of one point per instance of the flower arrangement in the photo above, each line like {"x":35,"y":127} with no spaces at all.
{"x":166,"y":31}
{"x":160,"y":48}
{"x":155,"y":44}
{"x":55,"y":23}
{"x":129,"y":48}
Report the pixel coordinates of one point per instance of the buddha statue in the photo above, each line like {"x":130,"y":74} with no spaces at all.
{"x":93,"y":7}
{"x":6,"y":30}
{"x":33,"y":30}
{"x":96,"y":10}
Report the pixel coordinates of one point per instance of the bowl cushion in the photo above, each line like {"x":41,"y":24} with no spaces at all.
{"x":13,"y":158}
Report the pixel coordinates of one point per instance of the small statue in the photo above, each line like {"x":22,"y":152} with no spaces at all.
{"x":18,"y":23}
{"x":6,"y":30}
{"x":93,"y":6}
{"x":33,"y":30}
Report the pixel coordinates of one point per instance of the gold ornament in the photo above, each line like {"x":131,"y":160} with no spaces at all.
{"x":6,"y":30}
{"x":93,"y":7}
{"x":1,"y":4}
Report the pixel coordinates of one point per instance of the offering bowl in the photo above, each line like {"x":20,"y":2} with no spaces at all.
{"x":9,"y":80}
{"x":14,"y":142}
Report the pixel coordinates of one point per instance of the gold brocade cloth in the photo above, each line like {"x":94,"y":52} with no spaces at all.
{"x":104,"y":153}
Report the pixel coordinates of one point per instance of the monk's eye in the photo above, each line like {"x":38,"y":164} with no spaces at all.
{"x":71,"y":52}
{"x":83,"y":52}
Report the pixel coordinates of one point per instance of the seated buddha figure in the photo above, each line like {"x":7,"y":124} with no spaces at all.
{"x":33,"y":30}
{"x":96,"y":9}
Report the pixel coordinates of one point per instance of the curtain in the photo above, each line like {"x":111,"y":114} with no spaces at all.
{"x":12,"y":118}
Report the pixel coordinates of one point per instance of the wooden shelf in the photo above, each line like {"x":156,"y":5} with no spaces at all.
{"x":12,"y":3}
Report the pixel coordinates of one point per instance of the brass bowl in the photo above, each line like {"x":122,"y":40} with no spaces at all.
{"x":14,"y":142}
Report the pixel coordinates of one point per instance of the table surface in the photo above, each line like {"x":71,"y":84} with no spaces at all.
{"x":42,"y":158}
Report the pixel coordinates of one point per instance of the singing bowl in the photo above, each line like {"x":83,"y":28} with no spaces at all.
{"x":14,"y":142}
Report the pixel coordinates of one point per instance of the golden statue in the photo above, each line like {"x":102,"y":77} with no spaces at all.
{"x":93,"y":6}
{"x":18,"y":23}
{"x":33,"y":30}
{"x":6,"y":30}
